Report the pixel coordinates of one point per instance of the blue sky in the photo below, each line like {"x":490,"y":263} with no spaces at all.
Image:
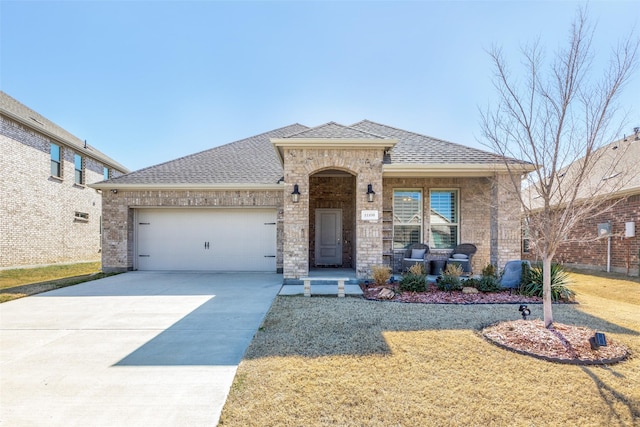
{"x":149,"y":81}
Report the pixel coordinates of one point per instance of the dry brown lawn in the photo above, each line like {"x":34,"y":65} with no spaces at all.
{"x":22,"y":282}
{"x":352,"y":362}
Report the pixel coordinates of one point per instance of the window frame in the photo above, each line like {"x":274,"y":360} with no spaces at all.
{"x":419,"y":214}
{"x":53,"y":161}
{"x":79,"y":174}
{"x":433,"y":243}
{"x":106,"y":173}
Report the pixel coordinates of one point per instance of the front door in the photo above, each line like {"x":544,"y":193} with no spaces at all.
{"x":328,"y":237}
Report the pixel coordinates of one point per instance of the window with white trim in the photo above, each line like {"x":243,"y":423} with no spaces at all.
{"x":56,"y":160}
{"x":444,"y":227}
{"x":407,"y":218}
{"x":79,"y":169}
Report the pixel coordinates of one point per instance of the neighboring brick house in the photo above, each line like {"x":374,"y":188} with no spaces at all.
{"x":298,"y":198}
{"x":48,"y":214}
{"x":618,"y":251}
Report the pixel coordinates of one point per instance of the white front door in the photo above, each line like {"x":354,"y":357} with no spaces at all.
{"x":328,"y":237}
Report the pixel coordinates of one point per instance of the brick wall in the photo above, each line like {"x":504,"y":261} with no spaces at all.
{"x":118,"y":211}
{"x":301,"y":164}
{"x":591,"y":253}
{"x":38,"y":225}
{"x":497,"y":238}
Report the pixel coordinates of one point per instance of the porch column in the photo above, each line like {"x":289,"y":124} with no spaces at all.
{"x":296,"y":228}
{"x":368,"y":221}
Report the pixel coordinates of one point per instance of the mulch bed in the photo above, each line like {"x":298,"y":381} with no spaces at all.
{"x":561,"y":343}
{"x":435,"y":296}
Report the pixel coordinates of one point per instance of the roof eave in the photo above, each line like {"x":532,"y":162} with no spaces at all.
{"x":452,"y":170}
{"x":106,"y":185}
{"x":95,"y":154}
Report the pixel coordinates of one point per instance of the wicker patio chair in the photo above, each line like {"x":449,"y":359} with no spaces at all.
{"x":416,"y":253}
{"x":462,"y":254}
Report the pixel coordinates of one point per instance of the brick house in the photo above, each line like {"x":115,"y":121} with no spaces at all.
{"x":48,"y":214}
{"x":618,"y":250}
{"x":300,"y":198}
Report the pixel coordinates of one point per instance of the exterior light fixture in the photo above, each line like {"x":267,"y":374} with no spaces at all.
{"x":295,"y":196}
{"x":114,"y":190}
{"x":525,"y":311}
{"x":370,"y":193}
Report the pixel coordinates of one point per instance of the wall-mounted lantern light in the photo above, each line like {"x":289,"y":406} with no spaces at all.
{"x":370,"y":193}
{"x":295,"y":196}
{"x":114,"y":190}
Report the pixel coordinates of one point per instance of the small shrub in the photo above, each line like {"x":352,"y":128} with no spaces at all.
{"x":380,"y":274}
{"x":559,"y":279}
{"x":489,"y":271}
{"x":489,"y":284}
{"x":472,"y":282}
{"x":414,"y":280}
{"x":450,"y":280}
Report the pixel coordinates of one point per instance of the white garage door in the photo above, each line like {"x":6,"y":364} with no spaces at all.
{"x":206,"y":239}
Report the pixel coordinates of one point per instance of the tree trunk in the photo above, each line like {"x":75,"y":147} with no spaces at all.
{"x":546,"y":291}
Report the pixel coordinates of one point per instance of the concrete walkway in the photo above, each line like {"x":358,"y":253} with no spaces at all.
{"x":137,"y":349}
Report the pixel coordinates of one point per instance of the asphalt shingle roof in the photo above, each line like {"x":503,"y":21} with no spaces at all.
{"x":413,"y":148}
{"x":20,"y":112}
{"x":334,"y":130}
{"x":247,"y":161}
{"x":254,"y":160}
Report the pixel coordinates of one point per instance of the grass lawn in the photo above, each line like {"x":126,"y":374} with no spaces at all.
{"x":351,"y":362}
{"x":21,"y":282}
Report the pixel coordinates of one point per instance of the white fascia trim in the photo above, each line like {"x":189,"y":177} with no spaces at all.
{"x":217,"y":187}
{"x":450,"y":170}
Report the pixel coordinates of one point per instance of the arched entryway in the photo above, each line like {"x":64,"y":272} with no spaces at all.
{"x":332,"y":219}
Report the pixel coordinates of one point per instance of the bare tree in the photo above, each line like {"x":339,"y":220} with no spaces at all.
{"x":558,"y":117}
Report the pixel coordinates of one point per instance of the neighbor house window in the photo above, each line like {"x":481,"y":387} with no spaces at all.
{"x":79,"y":166}
{"x":407,"y":218}
{"x":444,"y":227}
{"x":81,"y":216}
{"x":105,"y":173}
{"x":56,"y":164}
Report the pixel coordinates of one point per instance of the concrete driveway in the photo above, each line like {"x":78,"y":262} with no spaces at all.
{"x":136,"y":349}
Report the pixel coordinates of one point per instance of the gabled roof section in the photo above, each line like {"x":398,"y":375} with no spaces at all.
{"x":332,"y":135}
{"x":19,"y":112}
{"x":334,"y":130}
{"x":417,"y":149}
{"x":247,"y":163}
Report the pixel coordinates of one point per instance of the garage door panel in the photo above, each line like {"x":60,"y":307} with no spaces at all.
{"x":206,"y":239}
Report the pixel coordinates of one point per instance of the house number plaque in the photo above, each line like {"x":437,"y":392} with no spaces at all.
{"x":369,"y":215}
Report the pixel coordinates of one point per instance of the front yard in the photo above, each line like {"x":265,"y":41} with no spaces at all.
{"x":352,"y":362}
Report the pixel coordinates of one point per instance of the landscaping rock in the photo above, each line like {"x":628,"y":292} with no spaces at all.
{"x":469,"y":290}
{"x":386,"y":293}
